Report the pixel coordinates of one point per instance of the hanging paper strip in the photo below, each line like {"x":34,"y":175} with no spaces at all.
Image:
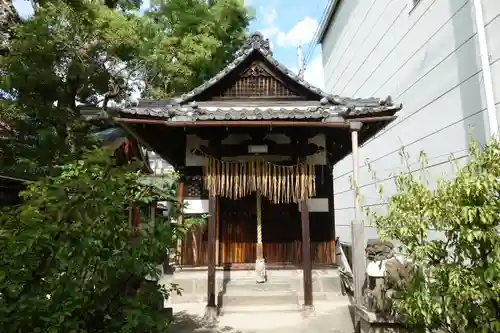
{"x":279,"y":183}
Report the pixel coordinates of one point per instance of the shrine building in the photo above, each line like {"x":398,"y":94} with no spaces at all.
{"x":256,"y":146}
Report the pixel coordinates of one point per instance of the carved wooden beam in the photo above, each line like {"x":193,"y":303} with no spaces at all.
{"x":273,"y":149}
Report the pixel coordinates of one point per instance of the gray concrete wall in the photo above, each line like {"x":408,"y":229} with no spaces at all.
{"x":426,"y":57}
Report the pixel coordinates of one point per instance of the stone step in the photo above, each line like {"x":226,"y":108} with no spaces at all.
{"x":319,"y":296}
{"x":259,"y":299}
{"x":254,"y":281}
{"x":256,"y":287}
{"x":252,"y":309}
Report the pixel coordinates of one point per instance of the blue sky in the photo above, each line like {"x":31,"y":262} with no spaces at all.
{"x":285,"y":22}
{"x":290,"y":22}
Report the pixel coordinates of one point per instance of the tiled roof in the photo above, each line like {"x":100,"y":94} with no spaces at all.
{"x":190,"y":113}
{"x":185,"y":107}
{"x":256,"y":43}
{"x":193,"y":112}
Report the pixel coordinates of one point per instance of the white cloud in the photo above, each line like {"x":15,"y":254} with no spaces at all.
{"x":269,"y":32}
{"x":313,"y":73}
{"x":302,"y":32}
{"x":270,"y":16}
{"x":269,"y":20}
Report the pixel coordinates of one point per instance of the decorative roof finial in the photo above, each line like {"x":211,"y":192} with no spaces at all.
{"x":257,"y":41}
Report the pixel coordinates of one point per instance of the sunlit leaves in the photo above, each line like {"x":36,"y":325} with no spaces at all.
{"x":457,"y":285}
{"x":69,"y":256}
{"x":73,"y":52}
{"x":199,"y":37}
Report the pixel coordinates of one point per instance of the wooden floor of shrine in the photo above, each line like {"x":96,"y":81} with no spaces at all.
{"x":281,"y":231}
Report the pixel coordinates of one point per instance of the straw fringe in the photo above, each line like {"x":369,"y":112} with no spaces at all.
{"x":278,"y":183}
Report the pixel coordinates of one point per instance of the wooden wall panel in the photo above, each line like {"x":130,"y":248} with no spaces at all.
{"x":281,"y":235}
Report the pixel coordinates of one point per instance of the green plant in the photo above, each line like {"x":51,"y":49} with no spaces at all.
{"x":455,"y":281}
{"x":93,"y":52}
{"x":71,"y":260}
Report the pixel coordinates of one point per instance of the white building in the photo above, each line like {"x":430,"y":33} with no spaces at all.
{"x":427,"y":55}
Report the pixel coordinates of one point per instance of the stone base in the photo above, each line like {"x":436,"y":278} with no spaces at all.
{"x":211,"y":313}
{"x":260,"y":270}
{"x":169,"y":313}
{"x":371,"y":322}
{"x":308,"y":311}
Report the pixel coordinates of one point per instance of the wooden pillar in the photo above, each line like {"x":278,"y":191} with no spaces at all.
{"x":180,"y":203}
{"x":331,"y":209}
{"x":211,"y":308}
{"x":358,"y":228}
{"x":260,"y":249}
{"x":135,"y":218}
{"x":306,"y":258}
{"x":217,"y":232}
{"x":152,"y":211}
{"x":260,"y":263}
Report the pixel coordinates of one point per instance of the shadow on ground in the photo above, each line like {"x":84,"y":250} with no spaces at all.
{"x":186,"y":323}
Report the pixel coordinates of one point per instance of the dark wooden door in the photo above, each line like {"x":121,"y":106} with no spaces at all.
{"x":281,"y":232}
{"x":238,"y":230}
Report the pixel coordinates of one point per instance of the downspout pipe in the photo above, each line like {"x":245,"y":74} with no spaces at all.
{"x":486,"y":68}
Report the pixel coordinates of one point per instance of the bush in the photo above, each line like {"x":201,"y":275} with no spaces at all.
{"x":70,"y":261}
{"x":456,"y":282}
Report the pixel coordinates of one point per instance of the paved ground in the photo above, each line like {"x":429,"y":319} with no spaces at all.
{"x":331,"y":318}
{"x":273,"y":307}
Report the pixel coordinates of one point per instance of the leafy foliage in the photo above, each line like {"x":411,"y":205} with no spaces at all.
{"x":73,"y":52}
{"x":199,"y":38}
{"x":70,"y":260}
{"x":455,"y":282}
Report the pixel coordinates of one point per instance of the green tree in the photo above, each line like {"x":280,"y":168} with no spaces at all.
{"x":200,"y":37}
{"x":71,"y":260}
{"x":73,"y":52}
{"x":455,"y":281}
{"x":8,"y":18}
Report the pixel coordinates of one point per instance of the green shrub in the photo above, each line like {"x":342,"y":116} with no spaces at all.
{"x":456,"y":283}
{"x":69,"y":259}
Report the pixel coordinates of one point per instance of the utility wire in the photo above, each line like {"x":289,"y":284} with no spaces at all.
{"x":314,"y":42}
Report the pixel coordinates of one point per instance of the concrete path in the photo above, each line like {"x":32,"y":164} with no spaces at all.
{"x":331,"y":318}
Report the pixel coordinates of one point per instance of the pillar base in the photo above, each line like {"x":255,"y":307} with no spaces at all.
{"x":370,"y":322}
{"x":169,"y":313}
{"x":211,"y":314}
{"x":260,"y":270}
{"x":308,"y":311}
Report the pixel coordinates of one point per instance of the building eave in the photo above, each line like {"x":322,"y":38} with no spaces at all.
{"x":331,"y":10}
{"x":194,"y":113}
{"x":13,"y":179}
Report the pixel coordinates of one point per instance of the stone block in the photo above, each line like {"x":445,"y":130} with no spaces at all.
{"x":201,"y":286}
{"x":370,"y":322}
{"x":187,"y":286}
{"x":317,"y":285}
{"x":298,"y":285}
{"x":331,"y":284}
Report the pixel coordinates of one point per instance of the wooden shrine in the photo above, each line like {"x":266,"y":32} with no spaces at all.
{"x":256,"y":146}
